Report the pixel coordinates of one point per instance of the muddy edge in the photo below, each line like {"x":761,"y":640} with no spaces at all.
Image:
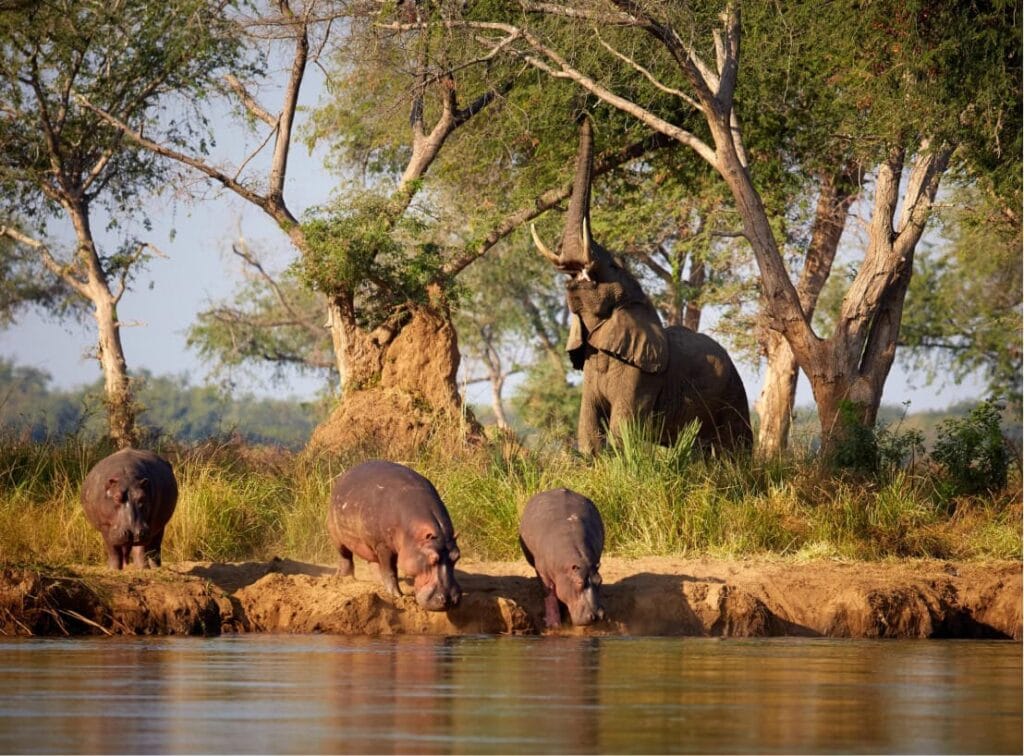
{"x":653,"y":596}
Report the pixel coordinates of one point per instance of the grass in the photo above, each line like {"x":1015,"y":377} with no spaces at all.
{"x":238,"y":503}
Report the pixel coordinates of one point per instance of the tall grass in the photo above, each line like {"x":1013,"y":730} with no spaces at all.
{"x":238,"y":502}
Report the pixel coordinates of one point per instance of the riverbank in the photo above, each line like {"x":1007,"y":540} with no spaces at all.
{"x":650,"y":596}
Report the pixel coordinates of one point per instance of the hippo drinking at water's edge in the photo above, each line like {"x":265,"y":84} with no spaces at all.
{"x":129,"y":497}
{"x":562,"y":538}
{"x":391,"y":515}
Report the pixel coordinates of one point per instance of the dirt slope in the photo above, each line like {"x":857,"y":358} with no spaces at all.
{"x":652,"y":596}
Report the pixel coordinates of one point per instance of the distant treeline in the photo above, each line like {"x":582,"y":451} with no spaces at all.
{"x":30,"y":407}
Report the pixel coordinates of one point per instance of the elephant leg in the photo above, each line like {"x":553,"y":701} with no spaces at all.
{"x":590,"y":434}
{"x":634,"y":401}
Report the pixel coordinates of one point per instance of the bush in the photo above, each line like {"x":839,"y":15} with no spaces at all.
{"x":972,"y":452}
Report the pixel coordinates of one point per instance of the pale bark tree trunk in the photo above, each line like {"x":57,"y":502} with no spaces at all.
{"x":775,"y":405}
{"x":119,"y":399}
{"x":695,"y":283}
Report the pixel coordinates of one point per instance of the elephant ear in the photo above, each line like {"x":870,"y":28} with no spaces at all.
{"x":635,"y":335}
{"x":575,"y":344}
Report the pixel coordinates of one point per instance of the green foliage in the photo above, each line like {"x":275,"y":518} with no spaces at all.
{"x":635,"y":448}
{"x":963,"y":312}
{"x":123,"y":58}
{"x":973,"y":452}
{"x":272,"y":320}
{"x":547,"y":402}
{"x":362,"y":250}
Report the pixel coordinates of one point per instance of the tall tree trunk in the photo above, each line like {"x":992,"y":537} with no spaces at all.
{"x":775,"y":405}
{"x":119,"y":399}
{"x":694,"y":283}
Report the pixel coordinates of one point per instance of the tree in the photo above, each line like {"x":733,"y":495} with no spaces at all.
{"x":913,"y":89}
{"x":964,"y":303}
{"x":57,"y":160}
{"x":273,"y":318}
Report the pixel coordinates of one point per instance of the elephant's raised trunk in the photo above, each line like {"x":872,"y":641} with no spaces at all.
{"x":574,"y":251}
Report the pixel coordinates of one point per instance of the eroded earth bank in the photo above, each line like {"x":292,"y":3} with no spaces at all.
{"x":652,"y":596}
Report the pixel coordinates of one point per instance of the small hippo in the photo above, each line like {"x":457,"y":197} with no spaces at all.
{"x":392,"y":516}
{"x":129,"y":497}
{"x":562,"y":538}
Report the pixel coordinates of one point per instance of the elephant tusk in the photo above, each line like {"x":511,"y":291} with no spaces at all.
{"x":589,"y":259}
{"x":552,"y":257}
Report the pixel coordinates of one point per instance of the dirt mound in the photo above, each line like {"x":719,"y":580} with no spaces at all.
{"x":654,"y":596}
{"x":416,"y":398}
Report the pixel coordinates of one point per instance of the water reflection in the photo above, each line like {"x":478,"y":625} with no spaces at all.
{"x":488,"y":694}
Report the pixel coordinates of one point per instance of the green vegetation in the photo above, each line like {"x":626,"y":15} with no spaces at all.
{"x":171,"y":408}
{"x":242,"y":502}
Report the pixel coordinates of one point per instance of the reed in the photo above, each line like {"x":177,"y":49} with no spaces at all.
{"x":238,"y":502}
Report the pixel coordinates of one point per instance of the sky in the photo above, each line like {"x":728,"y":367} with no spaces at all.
{"x":195,"y":235}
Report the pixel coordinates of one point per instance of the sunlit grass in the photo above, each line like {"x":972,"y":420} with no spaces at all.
{"x":240,"y":502}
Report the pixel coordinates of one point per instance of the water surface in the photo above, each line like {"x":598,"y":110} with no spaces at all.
{"x":328,"y":694}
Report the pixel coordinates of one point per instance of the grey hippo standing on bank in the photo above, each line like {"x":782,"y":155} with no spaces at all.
{"x":129,"y":497}
{"x":392,"y":516}
{"x":562,"y":538}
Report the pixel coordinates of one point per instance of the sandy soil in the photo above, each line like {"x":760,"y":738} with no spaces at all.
{"x":651,"y":596}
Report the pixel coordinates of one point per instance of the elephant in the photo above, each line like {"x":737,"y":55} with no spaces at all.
{"x":634,"y":367}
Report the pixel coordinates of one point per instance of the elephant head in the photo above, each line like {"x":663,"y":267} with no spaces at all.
{"x":610,"y":312}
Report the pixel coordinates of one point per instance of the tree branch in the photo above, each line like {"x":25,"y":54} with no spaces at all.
{"x":279,"y":212}
{"x":61,"y":271}
{"x":549,"y":199}
{"x":248,"y":100}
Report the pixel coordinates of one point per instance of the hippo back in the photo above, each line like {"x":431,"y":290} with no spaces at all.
{"x":382,"y":495}
{"x":132,"y":465}
{"x":561,"y":525}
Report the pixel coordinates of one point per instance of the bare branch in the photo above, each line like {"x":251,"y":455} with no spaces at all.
{"x":648,"y":75}
{"x":608,"y":19}
{"x":549,"y":199}
{"x":277,"y":211}
{"x":241,"y":249}
{"x":249,"y":101}
{"x":279,"y":163}
{"x":52,"y":264}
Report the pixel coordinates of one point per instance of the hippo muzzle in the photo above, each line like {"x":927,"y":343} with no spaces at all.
{"x":437,"y":590}
{"x":585,"y":608}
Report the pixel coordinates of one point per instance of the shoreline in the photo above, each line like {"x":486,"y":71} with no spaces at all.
{"x":655,"y":596}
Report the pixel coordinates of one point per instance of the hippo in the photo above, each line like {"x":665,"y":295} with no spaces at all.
{"x":392,"y":516}
{"x":562,"y":537}
{"x":129,"y":497}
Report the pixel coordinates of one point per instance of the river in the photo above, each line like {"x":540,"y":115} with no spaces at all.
{"x":485,"y":694}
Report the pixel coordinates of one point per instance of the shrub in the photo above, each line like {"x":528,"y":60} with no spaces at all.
{"x":972,"y":452}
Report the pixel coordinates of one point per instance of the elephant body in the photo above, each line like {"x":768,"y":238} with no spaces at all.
{"x":634,"y":367}
{"x":699,"y":382}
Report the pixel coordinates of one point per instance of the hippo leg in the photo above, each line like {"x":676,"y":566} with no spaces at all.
{"x":552,"y":613}
{"x":345,"y":565}
{"x":138,"y":557}
{"x":387,"y":565}
{"x":115,"y":557}
{"x":153,"y":550}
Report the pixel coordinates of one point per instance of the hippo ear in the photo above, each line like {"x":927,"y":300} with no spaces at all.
{"x":635,"y":335}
